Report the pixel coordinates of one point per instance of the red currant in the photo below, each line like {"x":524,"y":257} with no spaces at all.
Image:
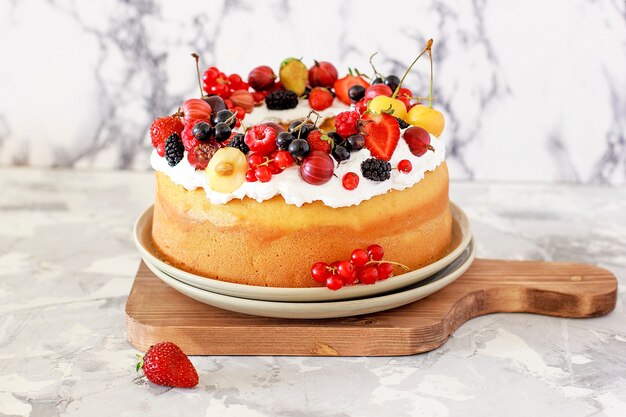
{"x":283,"y":159}
{"x":263,"y":174}
{"x":251,"y":176}
{"x":359,"y":257}
{"x":375,"y":252}
{"x":405,"y":166}
{"x":345,"y":269}
{"x":320,"y":272}
{"x":350,"y":181}
{"x":254,"y":160}
{"x":368,"y":275}
{"x":349,"y":280}
{"x":161,"y":149}
{"x":240,"y":112}
{"x":274,"y":169}
{"x":334,"y":282}
{"x":385,"y":270}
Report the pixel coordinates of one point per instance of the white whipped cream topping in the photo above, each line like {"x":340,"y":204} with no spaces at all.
{"x":262,"y":114}
{"x":296,"y":191}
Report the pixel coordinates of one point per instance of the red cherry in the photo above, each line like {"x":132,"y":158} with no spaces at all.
{"x":350,"y":181}
{"x":161,"y":149}
{"x":359,"y":257}
{"x":283,"y":159}
{"x":195,"y":109}
{"x":334,"y":282}
{"x":367,"y":275}
{"x":405,"y":166}
{"x":361,"y":106}
{"x":406,"y":101}
{"x":376,"y":252}
{"x":251,"y":176}
{"x":385,"y":270}
{"x":404,"y":92}
{"x":377,"y":90}
{"x":320,"y":272}
{"x":263,"y":174}
{"x":317,"y":168}
{"x":345,"y":269}
{"x":254,"y":160}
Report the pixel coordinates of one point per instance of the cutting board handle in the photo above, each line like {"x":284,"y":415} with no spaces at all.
{"x":552,"y":288}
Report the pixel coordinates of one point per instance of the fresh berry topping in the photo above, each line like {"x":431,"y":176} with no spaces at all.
{"x":355,"y":142}
{"x":317,"y":168}
{"x":367,"y":275}
{"x":261,"y":78}
{"x":263,"y":174}
{"x":300,"y":130}
{"x":346,"y":123}
{"x":283,"y":159}
{"x":377,"y":80}
{"x":299,"y":148}
{"x":377,"y":90}
{"x":216,"y":102}
{"x":195,"y":109}
{"x":283,"y":140}
{"x":345,"y":269}
{"x":356,"y":92}
{"x":318,"y":141}
{"x":376,"y":169}
{"x":215,"y":82}
{"x":320,"y":98}
{"x":189,"y":140}
{"x":392,"y":81}
{"x":342,"y":86}
{"x":336,"y":137}
{"x":350,"y":181}
{"x":174,"y":150}
{"x":293,"y":75}
{"x":359,"y":257}
{"x":261,"y":139}
{"x":322,"y":74}
{"x":340,"y":153}
{"x":251,"y":176}
{"x":361,"y":105}
{"x":200,"y":155}
{"x":225,"y":116}
{"x":381,"y":134}
{"x":376,"y":252}
{"x":334,"y":282}
{"x":402,"y":123}
{"x":385,"y":270}
{"x":418,"y":140}
{"x":255,"y":159}
{"x":238,"y":142}
{"x":320,"y":272}
{"x":222,"y":132}
{"x":281,"y":100}
{"x":405,"y":166}
{"x":163,"y":127}
{"x":166,"y":364}
{"x":203,"y":131}
{"x":161,"y":149}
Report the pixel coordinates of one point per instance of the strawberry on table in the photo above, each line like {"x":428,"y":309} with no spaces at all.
{"x":382,"y":133}
{"x":166,"y":364}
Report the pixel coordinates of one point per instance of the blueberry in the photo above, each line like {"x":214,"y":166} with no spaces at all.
{"x":340,"y":153}
{"x":283,"y":140}
{"x":203,"y":131}
{"x":356,"y":92}
{"x":392,"y":82}
{"x":355,"y":142}
{"x":299,"y":148}
{"x":223,"y":116}
{"x":222,"y":131}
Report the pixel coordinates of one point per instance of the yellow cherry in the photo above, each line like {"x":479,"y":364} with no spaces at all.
{"x":384,"y":104}
{"x":428,"y":118}
{"x":226,"y":170}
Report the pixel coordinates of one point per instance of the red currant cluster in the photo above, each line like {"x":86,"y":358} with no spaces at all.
{"x":216,"y":82}
{"x":265,"y":158}
{"x":364,"y":266}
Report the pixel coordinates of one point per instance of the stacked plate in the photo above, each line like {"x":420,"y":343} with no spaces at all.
{"x":318,"y":302}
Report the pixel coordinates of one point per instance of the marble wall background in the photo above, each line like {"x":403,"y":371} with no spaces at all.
{"x":531,"y":90}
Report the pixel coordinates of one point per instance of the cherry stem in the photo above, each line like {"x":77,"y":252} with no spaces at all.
{"x":430,"y":57}
{"x":427,"y":48}
{"x":197,"y":58}
{"x":376,"y":73}
{"x":372,"y":262}
{"x":299,"y":126}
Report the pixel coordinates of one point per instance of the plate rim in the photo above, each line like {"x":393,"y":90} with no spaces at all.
{"x":286,"y":294}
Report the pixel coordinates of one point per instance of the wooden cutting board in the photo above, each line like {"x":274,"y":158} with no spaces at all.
{"x":155,"y":312}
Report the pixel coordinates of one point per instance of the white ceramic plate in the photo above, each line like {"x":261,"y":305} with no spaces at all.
{"x":460,"y":240}
{"x":327,"y":309}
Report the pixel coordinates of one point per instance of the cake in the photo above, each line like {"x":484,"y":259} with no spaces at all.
{"x":307,"y":181}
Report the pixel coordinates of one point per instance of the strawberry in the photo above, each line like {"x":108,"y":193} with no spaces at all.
{"x":319,"y":141}
{"x":382,"y":133}
{"x":166,"y":364}
{"x":342,"y":86}
{"x":320,"y":98}
{"x":346,"y":123}
{"x":163,"y":127}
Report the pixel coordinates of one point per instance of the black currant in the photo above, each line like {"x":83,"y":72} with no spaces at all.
{"x":222,"y":131}
{"x":303,"y":131}
{"x":283,"y":140}
{"x":336,"y":137}
{"x":299,"y":148}
{"x":355,"y":142}
{"x":203,"y":131}
{"x":340,"y":153}
{"x":377,"y":80}
{"x":356,"y":92}
{"x":225,"y":116}
{"x":392,"y":81}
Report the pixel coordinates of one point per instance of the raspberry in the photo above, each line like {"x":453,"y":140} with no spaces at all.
{"x":376,"y":169}
{"x":346,"y":123}
{"x":163,"y":127}
{"x":281,"y":100}
{"x":261,"y":139}
{"x":174,"y":150}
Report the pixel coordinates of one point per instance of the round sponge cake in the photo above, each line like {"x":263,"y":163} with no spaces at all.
{"x":274,"y":244}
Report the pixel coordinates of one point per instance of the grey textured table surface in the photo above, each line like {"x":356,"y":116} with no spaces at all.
{"x":67,"y":262}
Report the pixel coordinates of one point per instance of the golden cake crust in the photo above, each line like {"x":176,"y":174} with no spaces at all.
{"x":274,"y":244}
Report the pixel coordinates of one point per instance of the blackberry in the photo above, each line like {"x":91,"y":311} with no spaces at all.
{"x":238,"y":142}
{"x":376,"y":169}
{"x":174,"y":149}
{"x":402,"y":123}
{"x":281,"y":100}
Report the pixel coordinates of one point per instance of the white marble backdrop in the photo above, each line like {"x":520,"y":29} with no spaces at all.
{"x":531,"y":90}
